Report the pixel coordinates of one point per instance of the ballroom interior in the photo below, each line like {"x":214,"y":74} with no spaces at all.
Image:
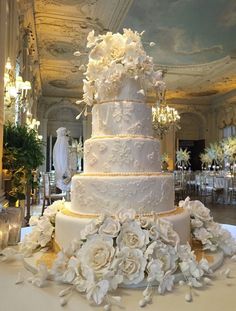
{"x":194,"y":48}
{"x":117,"y":155}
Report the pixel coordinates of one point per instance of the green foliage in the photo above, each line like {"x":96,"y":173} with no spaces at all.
{"x":21,"y":148}
{"x":22,"y":153}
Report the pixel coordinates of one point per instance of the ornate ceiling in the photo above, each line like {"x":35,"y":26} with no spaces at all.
{"x":195,"y":44}
{"x":197,"y":66}
{"x":62,"y":27}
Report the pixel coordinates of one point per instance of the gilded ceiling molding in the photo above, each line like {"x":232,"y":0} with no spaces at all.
{"x":61,"y":103}
{"x":58,"y":48}
{"x":193,"y":110}
{"x":60,"y":4}
{"x":66,"y":24}
{"x":29,"y":46}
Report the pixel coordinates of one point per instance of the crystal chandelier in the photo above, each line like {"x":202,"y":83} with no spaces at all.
{"x":163,"y":116}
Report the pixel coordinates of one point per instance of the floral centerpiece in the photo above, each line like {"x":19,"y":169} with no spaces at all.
{"x":205,"y":159}
{"x":114,"y":57}
{"x":125,"y":249}
{"x":229,"y":149}
{"x":182,"y":158}
{"x":215,"y":153}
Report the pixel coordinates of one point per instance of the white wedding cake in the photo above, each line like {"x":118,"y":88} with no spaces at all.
{"x":122,"y":167}
{"x":121,"y":227}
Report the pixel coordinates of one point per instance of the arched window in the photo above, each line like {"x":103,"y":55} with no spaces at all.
{"x":228,"y":131}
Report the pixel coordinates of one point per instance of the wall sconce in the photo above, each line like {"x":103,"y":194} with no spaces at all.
{"x":15,"y":88}
{"x":33,"y":124}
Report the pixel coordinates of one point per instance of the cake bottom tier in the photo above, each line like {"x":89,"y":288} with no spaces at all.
{"x":69,"y":225}
{"x":107,"y":193}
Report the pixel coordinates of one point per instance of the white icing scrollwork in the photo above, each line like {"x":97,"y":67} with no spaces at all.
{"x":102,"y":147}
{"x":151,"y":193}
{"x":92,"y":159}
{"x":122,"y":113}
{"x":121,"y":153}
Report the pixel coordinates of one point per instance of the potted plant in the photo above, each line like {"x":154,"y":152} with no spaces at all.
{"x":22,"y":153}
{"x":164,"y":161}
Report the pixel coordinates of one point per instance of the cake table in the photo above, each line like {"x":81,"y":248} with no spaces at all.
{"x":26,"y":297}
{"x":218,"y":296}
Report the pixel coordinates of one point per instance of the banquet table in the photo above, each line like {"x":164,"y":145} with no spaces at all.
{"x":220,"y":295}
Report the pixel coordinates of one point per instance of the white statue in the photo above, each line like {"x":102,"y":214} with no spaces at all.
{"x":61,"y":159}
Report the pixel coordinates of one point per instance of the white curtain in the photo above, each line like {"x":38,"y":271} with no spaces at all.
{"x":229,"y":131}
{"x":61,"y":159}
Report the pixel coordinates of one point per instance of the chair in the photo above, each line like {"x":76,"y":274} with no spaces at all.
{"x":180,"y":185}
{"x":218,"y":188}
{"x":232,"y":190}
{"x":48,"y":195}
{"x":190,"y":183}
{"x":206,"y":187}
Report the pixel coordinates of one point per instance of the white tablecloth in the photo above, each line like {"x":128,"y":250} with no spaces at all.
{"x":221,"y":295}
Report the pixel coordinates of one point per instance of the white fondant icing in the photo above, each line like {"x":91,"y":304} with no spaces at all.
{"x":117,"y":118}
{"x":100,"y":194}
{"x":69,"y":228}
{"x":133,"y":159}
{"x":122,"y":155}
{"x":126,"y":88}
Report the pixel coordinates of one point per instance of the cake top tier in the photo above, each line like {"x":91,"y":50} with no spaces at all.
{"x":116,"y":58}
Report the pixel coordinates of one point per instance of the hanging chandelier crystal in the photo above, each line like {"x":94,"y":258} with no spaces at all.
{"x":163,"y":116}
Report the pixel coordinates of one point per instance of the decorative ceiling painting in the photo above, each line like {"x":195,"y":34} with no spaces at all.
{"x":186,"y":31}
{"x":195,"y":42}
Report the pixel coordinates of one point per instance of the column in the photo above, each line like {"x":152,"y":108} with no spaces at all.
{"x":43,"y":132}
{"x":3,"y":46}
{"x":168,"y":146}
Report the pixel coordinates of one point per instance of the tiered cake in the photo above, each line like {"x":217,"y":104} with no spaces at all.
{"x":122,"y":168}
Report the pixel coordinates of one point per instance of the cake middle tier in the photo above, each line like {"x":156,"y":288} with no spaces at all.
{"x":106,"y":193}
{"x":122,"y":154}
{"x":122,"y":118}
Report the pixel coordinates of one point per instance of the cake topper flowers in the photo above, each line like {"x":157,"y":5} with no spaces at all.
{"x":112,"y":58}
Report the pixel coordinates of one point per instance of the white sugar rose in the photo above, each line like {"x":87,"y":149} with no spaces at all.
{"x":191,"y":269}
{"x":166,"y":254}
{"x":125,"y":214}
{"x":89,"y":230}
{"x":33,"y":221}
{"x":96,"y":254}
{"x":131,"y":264}
{"x":110,"y":227}
{"x":154,"y":271}
{"x":166,"y":232}
{"x":30,"y":242}
{"x":46,"y":230}
{"x":202,"y":235}
{"x":184,"y":203}
{"x":154,"y":232}
{"x":146,"y":222}
{"x":132,"y":236}
{"x":198,"y":210}
{"x":55,"y":207}
{"x":196,"y":223}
